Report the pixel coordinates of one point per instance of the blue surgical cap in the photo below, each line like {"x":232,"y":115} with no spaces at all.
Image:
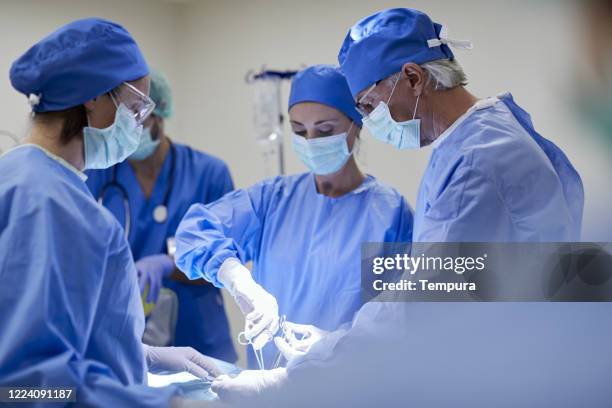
{"x":161,"y":94}
{"x":380,"y":44}
{"x":324,"y":84}
{"x":76,"y":63}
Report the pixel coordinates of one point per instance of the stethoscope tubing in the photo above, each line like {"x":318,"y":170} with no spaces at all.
{"x":125,"y":197}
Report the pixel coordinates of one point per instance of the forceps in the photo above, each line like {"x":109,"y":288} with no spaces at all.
{"x":279,"y":355}
{"x":242,"y":340}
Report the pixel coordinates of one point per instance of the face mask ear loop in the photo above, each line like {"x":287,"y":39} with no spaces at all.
{"x":113,"y":99}
{"x":393,"y":89}
{"x":416,"y":107}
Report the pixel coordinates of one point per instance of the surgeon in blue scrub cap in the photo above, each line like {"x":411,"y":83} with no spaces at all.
{"x":491,"y":176}
{"x":70,"y":311}
{"x":302,"y":232}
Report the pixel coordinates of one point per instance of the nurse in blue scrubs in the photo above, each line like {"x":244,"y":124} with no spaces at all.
{"x":70,"y":310}
{"x":302,"y":232}
{"x":149,"y":194}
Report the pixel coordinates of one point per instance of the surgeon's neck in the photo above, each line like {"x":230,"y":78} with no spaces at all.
{"x":447,"y":107}
{"x":47,"y":136}
{"x":342,"y":182}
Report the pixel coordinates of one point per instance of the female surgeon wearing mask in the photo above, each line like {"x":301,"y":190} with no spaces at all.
{"x":70,"y":310}
{"x":303,"y":232}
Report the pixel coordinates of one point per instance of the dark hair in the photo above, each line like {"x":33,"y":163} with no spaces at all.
{"x":74,"y":120}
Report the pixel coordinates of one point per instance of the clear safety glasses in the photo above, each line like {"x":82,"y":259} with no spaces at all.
{"x":362,"y":106}
{"x":366,"y":103}
{"x":137,"y":102}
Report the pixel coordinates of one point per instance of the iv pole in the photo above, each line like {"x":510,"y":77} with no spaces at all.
{"x":267,"y":113}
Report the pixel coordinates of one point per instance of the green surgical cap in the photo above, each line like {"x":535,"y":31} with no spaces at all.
{"x":161,"y":94}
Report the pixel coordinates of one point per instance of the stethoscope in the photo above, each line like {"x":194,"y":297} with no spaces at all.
{"x":160,"y":213}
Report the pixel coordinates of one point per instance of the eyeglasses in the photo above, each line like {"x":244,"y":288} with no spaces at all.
{"x":361,"y":106}
{"x":364,"y":107}
{"x":137,"y":102}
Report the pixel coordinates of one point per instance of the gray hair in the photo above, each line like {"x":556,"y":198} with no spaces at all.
{"x":445,"y":73}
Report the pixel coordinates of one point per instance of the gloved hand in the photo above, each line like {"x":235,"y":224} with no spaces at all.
{"x":178,"y":359}
{"x":298,"y":339}
{"x":248,"y":383}
{"x":151,"y":270}
{"x":258,"y":306}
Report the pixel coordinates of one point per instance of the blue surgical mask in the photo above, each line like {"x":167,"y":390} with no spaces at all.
{"x":324,"y":155}
{"x":146,"y":147}
{"x":106,"y":147}
{"x":402,"y":135}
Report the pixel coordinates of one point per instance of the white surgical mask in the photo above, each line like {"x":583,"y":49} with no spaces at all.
{"x":324,"y":155}
{"x":402,"y":135}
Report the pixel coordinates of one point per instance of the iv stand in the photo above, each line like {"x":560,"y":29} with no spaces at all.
{"x":268,"y":117}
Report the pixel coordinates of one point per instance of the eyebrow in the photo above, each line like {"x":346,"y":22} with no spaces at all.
{"x":319,"y":122}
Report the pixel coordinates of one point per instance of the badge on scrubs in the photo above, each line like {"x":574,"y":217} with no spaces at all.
{"x":160,"y":214}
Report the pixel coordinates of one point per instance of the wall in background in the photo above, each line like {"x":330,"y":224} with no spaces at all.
{"x":154,"y":24}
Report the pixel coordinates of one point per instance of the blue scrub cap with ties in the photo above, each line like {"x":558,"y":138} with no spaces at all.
{"x":380,"y":44}
{"x":76,"y":63}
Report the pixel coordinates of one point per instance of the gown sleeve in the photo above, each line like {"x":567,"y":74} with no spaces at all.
{"x":227,"y":228}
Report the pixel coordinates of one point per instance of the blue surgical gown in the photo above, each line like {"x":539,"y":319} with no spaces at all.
{"x":70,"y":309}
{"x":493,"y":178}
{"x":198,"y":178}
{"x":305,"y":246}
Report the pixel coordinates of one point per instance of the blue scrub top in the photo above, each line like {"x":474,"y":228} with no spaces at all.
{"x":198,"y":178}
{"x":493,"y":178}
{"x":305,"y":246}
{"x":70,"y":309}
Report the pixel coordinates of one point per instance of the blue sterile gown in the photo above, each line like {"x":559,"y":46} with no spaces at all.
{"x":70,"y":309}
{"x":492,"y":177}
{"x":305,"y":246}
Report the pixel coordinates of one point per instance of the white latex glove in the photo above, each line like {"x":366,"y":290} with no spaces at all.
{"x":258,"y":306}
{"x":299,"y":338}
{"x":248,"y":383}
{"x":179,"y":359}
